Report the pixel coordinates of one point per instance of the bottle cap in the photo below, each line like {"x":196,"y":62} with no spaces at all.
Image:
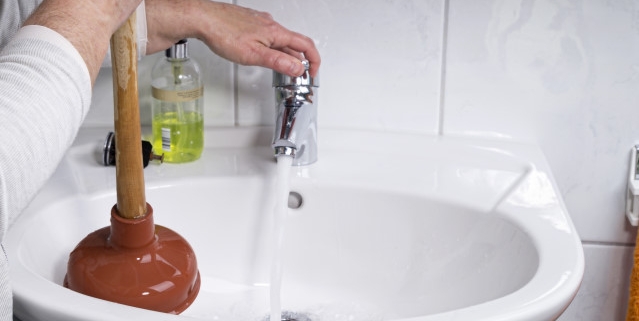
{"x":178,"y":50}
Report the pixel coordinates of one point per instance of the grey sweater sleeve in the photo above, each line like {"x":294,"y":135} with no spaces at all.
{"x":45,"y":93}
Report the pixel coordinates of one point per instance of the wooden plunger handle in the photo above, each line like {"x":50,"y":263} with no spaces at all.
{"x":633,"y":301}
{"x":129,"y":168}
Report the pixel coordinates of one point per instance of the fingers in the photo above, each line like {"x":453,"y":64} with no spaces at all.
{"x":314,"y":58}
{"x":293,"y":53}
{"x":283,"y":56}
{"x":285,"y":60}
{"x":300,"y":47}
{"x":236,"y":33}
{"x":277,"y":47}
{"x":278,"y":60}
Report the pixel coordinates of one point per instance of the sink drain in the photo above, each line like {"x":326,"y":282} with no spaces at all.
{"x":291,"y":316}
{"x":295,"y":200}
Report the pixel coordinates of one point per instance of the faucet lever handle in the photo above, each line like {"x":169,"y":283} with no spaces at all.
{"x":304,"y":80}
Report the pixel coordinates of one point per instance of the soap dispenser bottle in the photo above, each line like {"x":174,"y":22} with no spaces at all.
{"x":177,"y":107}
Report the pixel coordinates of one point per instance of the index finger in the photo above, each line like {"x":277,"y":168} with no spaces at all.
{"x":306,"y":46}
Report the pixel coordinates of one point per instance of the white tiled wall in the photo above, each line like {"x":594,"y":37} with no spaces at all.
{"x":382,"y":63}
{"x":561,"y":73}
{"x":604,"y":292}
{"x":565,"y":75}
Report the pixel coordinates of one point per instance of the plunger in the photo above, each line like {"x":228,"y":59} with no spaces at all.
{"x":133,"y":261}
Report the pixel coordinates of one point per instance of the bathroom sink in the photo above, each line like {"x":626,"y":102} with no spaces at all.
{"x":390,"y":227}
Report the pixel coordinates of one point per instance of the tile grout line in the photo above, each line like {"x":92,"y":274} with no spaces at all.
{"x":236,"y":95}
{"x":236,"y":90}
{"x":442,"y":79}
{"x":601,"y":243}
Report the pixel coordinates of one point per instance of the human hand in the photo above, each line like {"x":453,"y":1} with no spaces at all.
{"x":239,"y":34}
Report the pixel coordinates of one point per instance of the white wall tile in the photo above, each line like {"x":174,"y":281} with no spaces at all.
{"x":604,"y":292}
{"x":564,"y":74}
{"x":380,"y":63}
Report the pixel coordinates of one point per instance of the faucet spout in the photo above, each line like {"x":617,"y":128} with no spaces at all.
{"x":296,"y":122}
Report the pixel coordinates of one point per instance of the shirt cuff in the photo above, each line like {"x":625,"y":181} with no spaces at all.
{"x":140,"y":35}
{"x":141,"y":31}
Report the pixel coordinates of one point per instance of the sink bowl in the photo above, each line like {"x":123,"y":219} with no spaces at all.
{"x":390,"y":227}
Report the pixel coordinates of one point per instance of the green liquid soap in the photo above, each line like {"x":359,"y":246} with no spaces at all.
{"x":181,"y":139}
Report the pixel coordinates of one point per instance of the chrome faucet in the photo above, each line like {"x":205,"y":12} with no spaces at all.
{"x":296,"y":123}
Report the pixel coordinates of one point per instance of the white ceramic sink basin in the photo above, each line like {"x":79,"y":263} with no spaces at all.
{"x":392,"y":227}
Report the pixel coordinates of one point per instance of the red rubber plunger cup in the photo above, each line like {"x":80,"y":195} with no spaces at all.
{"x":137,"y":263}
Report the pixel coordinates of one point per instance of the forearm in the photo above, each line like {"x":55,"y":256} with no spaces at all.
{"x":88,"y":25}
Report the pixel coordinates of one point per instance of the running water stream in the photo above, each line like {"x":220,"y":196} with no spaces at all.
{"x":282,"y":191}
